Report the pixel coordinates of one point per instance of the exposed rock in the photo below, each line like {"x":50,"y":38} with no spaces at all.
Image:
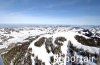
{"x":93,"y":41}
{"x":85,"y":53}
{"x":40,"y":42}
{"x":51,"y":59}
{"x":19,"y":55}
{"x":38,"y":62}
{"x":59,"y":40}
{"x":48,"y":44}
{"x":87,"y":33}
{"x":1,"y":43}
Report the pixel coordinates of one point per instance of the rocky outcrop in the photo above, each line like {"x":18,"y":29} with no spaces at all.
{"x":18,"y":55}
{"x":93,"y":41}
{"x":40,"y":42}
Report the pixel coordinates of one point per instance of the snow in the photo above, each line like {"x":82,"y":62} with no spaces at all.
{"x":41,"y":52}
{"x":45,"y":57}
{"x":20,"y":36}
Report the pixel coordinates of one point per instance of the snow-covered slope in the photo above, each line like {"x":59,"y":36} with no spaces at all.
{"x":50,"y":45}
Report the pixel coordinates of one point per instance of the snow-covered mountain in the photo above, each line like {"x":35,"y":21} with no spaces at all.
{"x":50,"y":45}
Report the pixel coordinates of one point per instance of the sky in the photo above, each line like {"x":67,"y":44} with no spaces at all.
{"x":64,"y":12}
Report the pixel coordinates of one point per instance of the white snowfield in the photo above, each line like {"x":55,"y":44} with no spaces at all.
{"x":41,"y":52}
{"x":69,"y":35}
{"x":19,"y":36}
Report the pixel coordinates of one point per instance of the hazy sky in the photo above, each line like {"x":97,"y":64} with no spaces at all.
{"x":74,"y":12}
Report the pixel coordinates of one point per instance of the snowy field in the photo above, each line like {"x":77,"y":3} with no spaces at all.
{"x":67,"y":43}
